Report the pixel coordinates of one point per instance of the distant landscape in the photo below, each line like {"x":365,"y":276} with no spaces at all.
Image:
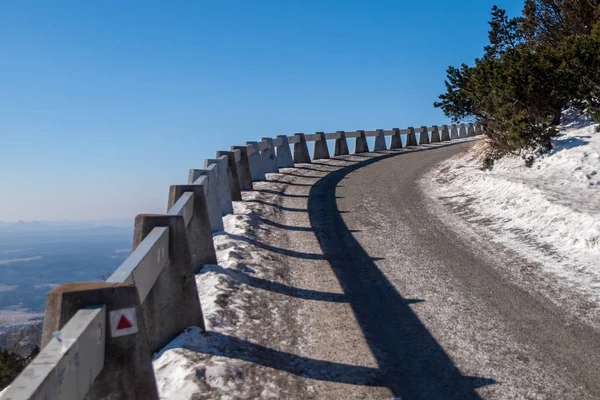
{"x":35,"y":257}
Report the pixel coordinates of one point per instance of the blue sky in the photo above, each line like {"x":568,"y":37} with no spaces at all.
{"x":104,"y":104}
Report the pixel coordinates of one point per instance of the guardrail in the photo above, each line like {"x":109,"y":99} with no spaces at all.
{"x":98,"y":338}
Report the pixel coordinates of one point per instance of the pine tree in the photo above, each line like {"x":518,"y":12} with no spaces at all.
{"x":534,"y":67}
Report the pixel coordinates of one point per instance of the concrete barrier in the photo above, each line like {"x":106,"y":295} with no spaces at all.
{"x":207,"y":177}
{"x":396,"y":139}
{"x":411,"y":137}
{"x":222,"y":183}
{"x":243,"y":168}
{"x":379,"y":141}
{"x":198,"y":228}
{"x":435,"y":134}
{"x":257,"y":170}
{"x":341,"y":145}
{"x":89,"y":355}
{"x":283,"y":153}
{"x":320,"y":150}
{"x":360,"y":143}
{"x":423,"y":136}
{"x":172,"y":303}
{"x":268,"y":156}
{"x":445,"y":133}
{"x":462,"y":131}
{"x":232,"y":175}
{"x":470,"y":130}
{"x":301,"y":154}
{"x":454,"y":132}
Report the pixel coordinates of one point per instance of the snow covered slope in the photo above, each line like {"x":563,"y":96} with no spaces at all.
{"x":549,"y":213}
{"x":187,"y":366}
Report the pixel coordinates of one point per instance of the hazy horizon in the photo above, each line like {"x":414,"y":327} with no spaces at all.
{"x":58,"y":222}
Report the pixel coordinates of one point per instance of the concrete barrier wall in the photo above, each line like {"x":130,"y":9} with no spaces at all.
{"x":379,"y":144}
{"x":98,"y":338}
{"x":396,"y":139}
{"x":320,"y":150}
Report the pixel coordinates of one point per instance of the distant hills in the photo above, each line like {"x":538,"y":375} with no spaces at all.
{"x":81,"y":228}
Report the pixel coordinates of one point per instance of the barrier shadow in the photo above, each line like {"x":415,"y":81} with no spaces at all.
{"x":275,"y":249}
{"x":290,"y":227}
{"x":222,"y":345}
{"x":290,"y":183}
{"x":286,"y":227}
{"x":275,"y":192}
{"x":279,"y":207}
{"x":315,"y":169}
{"x":300,"y":175}
{"x":218,"y":344}
{"x":411,"y":362}
{"x":277,"y":287}
{"x":246,"y":278}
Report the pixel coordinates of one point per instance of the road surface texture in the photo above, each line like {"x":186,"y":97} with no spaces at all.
{"x":375,"y":294}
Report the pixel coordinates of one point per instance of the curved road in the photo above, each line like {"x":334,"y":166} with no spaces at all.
{"x":385,"y":299}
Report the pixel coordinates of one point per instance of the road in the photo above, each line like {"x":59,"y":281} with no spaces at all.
{"x":382,"y":297}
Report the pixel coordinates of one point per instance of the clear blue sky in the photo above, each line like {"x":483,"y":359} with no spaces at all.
{"x":104,"y":104}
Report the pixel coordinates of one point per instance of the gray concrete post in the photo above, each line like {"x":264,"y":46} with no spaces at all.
{"x":445,"y":133}
{"x":283,"y":153}
{"x":232,"y":175}
{"x":243,"y":168}
{"x":478,"y":130}
{"x":212,"y":196}
{"x":320,"y":147}
{"x":127,"y":372}
{"x":360,"y":143}
{"x":462,"y":131}
{"x":411,"y":138}
{"x":453,"y":132}
{"x":423,"y":136}
{"x":269,"y":159}
{"x":255,"y":160}
{"x":301,"y":154}
{"x":222,"y":183}
{"x":435,"y":134}
{"x":471,"y":130}
{"x":198,"y":230}
{"x":172,"y":304}
{"x":379,"y":141}
{"x":341,"y":145}
{"x":396,"y":141}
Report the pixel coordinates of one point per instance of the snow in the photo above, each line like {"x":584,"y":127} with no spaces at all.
{"x":191,"y":363}
{"x":550,"y":212}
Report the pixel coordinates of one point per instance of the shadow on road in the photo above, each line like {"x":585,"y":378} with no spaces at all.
{"x":222,"y":345}
{"x":412,"y":364}
{"x":277,"y":287}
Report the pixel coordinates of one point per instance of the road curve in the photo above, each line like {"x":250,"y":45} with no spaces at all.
{"x":386,"y":299}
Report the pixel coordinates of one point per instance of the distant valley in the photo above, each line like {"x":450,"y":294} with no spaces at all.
{"x":35,"y":257}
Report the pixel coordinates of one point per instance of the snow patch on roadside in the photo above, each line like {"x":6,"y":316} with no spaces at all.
{"x":190,"y":366}
{"x":549,"y":213}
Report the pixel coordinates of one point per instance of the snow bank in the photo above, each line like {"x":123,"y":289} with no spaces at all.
{"x":191,"y":366}
{"x":549,"y":212}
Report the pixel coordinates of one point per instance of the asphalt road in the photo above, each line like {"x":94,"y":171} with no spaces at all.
{"x":386,"y":297}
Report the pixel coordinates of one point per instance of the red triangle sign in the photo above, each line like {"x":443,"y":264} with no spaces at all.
{"x":124,"y":323}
